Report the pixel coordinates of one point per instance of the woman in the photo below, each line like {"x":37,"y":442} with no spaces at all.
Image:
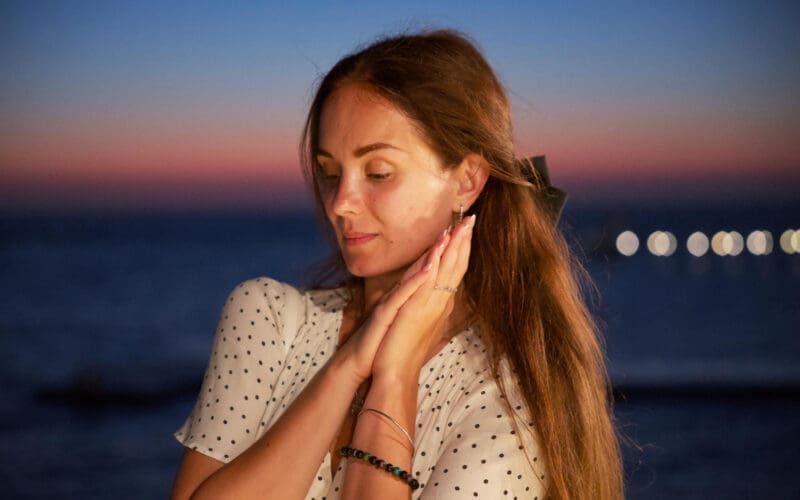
{"x":457,"y":359}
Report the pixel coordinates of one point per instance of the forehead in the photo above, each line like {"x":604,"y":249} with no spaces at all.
{"x":353,"y":116}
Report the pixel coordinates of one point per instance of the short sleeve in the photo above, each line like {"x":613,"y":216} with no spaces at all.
{"x":246,"y":357}
{"x":482,"y":455}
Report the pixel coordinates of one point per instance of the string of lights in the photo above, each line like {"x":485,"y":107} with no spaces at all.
{"x":722,"y":243}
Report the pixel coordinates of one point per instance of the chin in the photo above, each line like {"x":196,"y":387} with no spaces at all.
{"x":364,"y":271}
{"x":370,"y":270}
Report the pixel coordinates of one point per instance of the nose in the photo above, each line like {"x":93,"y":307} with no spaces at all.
{"x":347,"y":197}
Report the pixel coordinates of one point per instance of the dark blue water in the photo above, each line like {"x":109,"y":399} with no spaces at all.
{"x":106,"y":322}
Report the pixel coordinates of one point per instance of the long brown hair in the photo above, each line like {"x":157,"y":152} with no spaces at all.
{"x":523,"y":281}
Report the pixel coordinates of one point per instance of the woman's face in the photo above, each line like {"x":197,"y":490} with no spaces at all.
{"x":385,"y":192}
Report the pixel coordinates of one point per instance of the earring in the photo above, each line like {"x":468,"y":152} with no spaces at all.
{"x":460,"y":212}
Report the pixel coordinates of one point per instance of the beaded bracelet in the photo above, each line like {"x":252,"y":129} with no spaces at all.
{"x":378,"y":463}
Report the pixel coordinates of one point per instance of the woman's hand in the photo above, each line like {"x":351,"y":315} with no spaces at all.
{"x":359,"y":350}
{"x":418,"y":324}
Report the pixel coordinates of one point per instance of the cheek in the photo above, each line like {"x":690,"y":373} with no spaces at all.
{"x":411,"y":200}
{"x":414,"y":224}
{"x":410,"y":214}
{"x":401,"y":213}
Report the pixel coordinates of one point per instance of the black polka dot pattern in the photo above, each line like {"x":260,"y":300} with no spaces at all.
{"x":272,"y":338}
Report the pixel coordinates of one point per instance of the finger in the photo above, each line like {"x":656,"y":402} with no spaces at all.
{"x":454,"y":263}
{"x":390,"y":303}
{"x":460,"y":236}
{"x":425,"y":258}
{"x":432,"y":268}
{"x":394,"y":299}
{"x":464,"y":252}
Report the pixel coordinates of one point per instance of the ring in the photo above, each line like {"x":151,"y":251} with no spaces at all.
{"x":445,"y":288}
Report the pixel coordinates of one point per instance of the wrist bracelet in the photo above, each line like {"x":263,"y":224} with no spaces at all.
{"x":378,"y":463}
{"x":394,"y":422}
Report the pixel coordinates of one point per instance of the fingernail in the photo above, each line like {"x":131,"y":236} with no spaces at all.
{"x":428,"y":266}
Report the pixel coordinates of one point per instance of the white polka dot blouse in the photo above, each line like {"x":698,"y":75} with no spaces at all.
{"x":271,"y":340}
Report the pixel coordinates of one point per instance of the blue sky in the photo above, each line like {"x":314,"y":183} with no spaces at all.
{"x":129,"y":96}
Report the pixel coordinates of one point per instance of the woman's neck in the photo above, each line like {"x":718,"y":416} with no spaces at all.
{"x":375,"y":287}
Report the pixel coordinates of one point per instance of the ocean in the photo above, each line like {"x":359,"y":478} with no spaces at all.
{"x":106,"y":323}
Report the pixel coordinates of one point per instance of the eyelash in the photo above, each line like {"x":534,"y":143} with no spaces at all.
{"x":375,"y":176}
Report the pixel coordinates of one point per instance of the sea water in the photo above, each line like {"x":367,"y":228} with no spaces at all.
{"x":106,"y":323}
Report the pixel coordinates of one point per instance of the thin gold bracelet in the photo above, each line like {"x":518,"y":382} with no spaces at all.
{"x":393,"y":421}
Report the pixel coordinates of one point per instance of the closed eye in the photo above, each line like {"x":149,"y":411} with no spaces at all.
{"x":324,"y":173}
{"x":327,"y":181}
{"x":379,"y":176}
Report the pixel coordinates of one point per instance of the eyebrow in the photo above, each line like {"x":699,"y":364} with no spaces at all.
{"x":362,"y":150}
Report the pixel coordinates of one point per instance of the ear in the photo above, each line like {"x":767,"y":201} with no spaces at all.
{"x":471,"y":176}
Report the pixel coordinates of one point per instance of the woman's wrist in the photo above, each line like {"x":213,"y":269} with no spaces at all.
{"x":395,"y":382}
{"x":393,"y":403}
{"x":343,"y":366}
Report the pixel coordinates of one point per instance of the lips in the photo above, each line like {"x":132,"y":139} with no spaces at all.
{"x":356,"y":238}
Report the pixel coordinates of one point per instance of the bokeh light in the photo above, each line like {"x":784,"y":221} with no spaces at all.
{"x":735,"y":242}
{"x":759,"y":242}
{"x":786,"y":241}
{"x":716,"y":243}
{"x":655,"y":242}
{"x":727,"y":243}
{"x":697,"y":244}
{"x":627,"y":243}
{"x":662,"y":243}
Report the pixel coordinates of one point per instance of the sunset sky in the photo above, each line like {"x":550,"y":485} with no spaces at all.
{"x":180,"y":105}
